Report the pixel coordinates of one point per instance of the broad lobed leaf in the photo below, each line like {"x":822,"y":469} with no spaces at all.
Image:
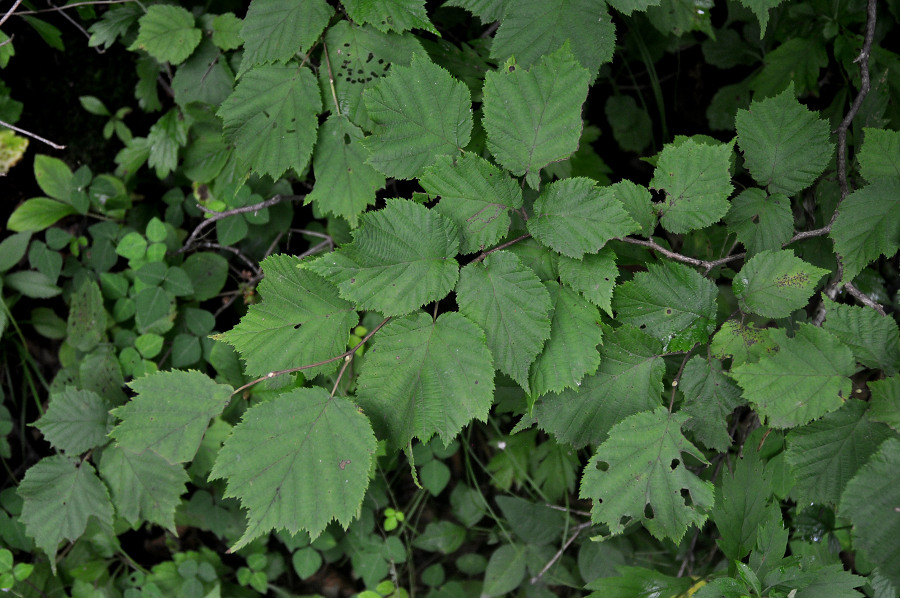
{"x":507,"y":300}
{"x":401,"y":258}
{"x":301,"y":320}
{"x":533,"y":117}
{"x":425,"y":377}
{"x":641,"y":465}
{"x":297,"y":462}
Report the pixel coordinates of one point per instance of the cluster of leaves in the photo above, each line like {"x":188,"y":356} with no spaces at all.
{"x":707,"y":362}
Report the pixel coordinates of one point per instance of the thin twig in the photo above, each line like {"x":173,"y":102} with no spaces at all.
{"x":337,"y":106}
{"x":10,"y":11}
{"x":237,"y":252}
{"x":575,"y":531}
{"x":346,"y":353}
{"x":484,"y":254}
{"x":216,"y":216}
{"x":865,"y":86}
{"x":678,"y":377}
{"x":32,"y":135}
{"x":340,"y":375}
{"x":71,"y":20}
{"x":68,"y":6}
{"x":863,"y":298}
{"x":7,"y":40}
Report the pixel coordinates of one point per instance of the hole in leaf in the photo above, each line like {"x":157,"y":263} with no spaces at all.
{"x":686,"y":495}
{"x":673,"y":464}
{"x":642,"y":326}
{"x":511,"y":68}
{"x":602,"y":465}
{"x":668,"y":311}
{"x":347,"y":139}
{"x":298,"y":325}
{"x":648,"y":511}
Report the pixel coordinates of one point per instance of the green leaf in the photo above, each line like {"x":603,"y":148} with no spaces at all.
{"x":867,"y":225}
{"x":309,"y":437}
{"x":401,"y":258}
{"x":301,"y":320}
{"x":271,"y":118}
{"x":345,"y":184}
{"x":359,"y":58}
{"x":425,"y":377}
{"x":87,"y":318}
{"x":167,"y":33}
{"x":275,"y":31}
{"x":533,"y":29}
{"x":672,"y":302}
{"x":486,"y":10}
{"x":878,"y":156}
{"x":37,"y":214}
{"x":697,"y":182}
{"x":53,"y":177}
{"x":827,"y":453}
{"x":60,"y":495}
{"x":208,"y":272}
{"x":226,"y":29}
{"x":75,"y":421}
{"x":533,"y":523}
{"x":761,"y":9}
{"x":574,"y":216}
{"x":628,"y":381}
{"x":390,"y":15}
{"x":204,"y":77}
{"x":742,"y":505}
{"x":571,"y":351}
{"x":804,"y":380}
{"x":709,"y":398}
{"x":476,"y":195}
{"x":874,"y":339}
{"x":594,"y":276}
{"x":760,"y":222}
{"x":115,"y":22}
{"x":637,"y":202}
{"x":639,"y":474}
{"x":412,"y":126}
{"x":533,"y":117}
{"x":775,"y":283}
{"x":505,"y":571}
{"x":797,"y":61}
{"x":638,"y":582}
{"x":631,"y":125}
{"x":870,"y":502}
{"x":169,"y":414}
{"x":13,"y":249}
{"x":743,"y":343}
{"x":144,"y":486}
{"x":885,"y":401}
{"x":786,"y":147}
{"x":32,"y":284}
{"x":508,"y":301}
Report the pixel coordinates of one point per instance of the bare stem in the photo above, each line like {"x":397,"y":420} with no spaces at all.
{"x":347,"y":353}
{"x":32,"y":135}
{"x":216,"y":216}
{"x":337,"y":107}
{"x":576,"y":530}
{"x":484,"y":254}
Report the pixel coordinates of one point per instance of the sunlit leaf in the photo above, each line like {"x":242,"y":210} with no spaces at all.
{"x":775,"y":283}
